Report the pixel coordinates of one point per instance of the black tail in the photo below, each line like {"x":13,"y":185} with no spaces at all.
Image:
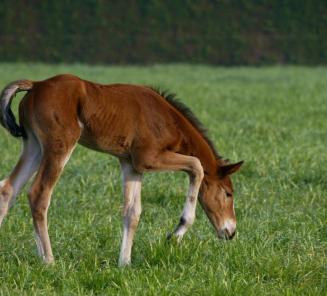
{"x":7,"y":117}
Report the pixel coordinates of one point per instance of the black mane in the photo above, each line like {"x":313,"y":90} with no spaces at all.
{"x":189,"y":115}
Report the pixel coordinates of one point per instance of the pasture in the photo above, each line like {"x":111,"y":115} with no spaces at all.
{"x":275,"y":118}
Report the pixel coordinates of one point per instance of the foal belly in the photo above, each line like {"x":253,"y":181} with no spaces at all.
{"x":117,"y":145}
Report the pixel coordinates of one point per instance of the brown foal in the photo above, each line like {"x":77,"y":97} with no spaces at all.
{"x":147,"y":130}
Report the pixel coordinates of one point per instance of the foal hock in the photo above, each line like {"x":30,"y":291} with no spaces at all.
{"x":147,"y":130}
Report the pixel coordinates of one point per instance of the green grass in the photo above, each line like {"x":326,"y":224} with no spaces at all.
{"x":274,"y":118}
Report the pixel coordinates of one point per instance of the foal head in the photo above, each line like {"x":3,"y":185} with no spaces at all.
{"x":216,"y":198}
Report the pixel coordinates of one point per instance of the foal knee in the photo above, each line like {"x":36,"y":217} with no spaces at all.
{"x":196,"y":170}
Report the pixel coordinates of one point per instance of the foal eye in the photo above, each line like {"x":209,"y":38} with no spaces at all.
{"x":229,"y":194}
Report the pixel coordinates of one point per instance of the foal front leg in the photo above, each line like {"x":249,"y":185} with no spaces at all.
{"x":170,"y":161}
{"x":188,"y":214}
{"x":132,"y":182}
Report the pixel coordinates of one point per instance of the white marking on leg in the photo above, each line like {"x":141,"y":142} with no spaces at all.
{"x":25,"y":168}
{"x":30,"y":158}
{"x":130,"y":223}
{"x":132,"y":210}
{"x":125,"y":250}
{"x":189,"y":210}
{"x":187,"y":217}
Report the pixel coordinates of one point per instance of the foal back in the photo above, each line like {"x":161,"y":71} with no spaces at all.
{"x":119,"y":119}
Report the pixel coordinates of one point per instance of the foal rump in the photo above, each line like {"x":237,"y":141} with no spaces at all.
{"x":7,"y":117}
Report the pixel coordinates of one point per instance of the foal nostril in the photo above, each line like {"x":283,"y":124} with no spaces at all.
{"x":232,"y":235}
{"x":229,"y":235}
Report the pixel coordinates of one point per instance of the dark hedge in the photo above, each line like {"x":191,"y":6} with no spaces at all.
{"x":158,"y":31}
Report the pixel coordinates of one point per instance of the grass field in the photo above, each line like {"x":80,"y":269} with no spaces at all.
{"x":274,"y":118}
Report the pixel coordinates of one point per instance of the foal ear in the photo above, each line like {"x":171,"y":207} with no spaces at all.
{"x":230,"y":169}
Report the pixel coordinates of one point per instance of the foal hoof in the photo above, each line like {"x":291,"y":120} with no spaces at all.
{"x":49,"y":261}
{"x":124,"y":264}
{"x":173,"y":237}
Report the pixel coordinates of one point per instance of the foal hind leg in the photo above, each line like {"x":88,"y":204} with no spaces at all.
{"x":170,"y":161}
{"x":23,"y":171}
{"x":132,"y":209}
{"x":55,"y":156}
